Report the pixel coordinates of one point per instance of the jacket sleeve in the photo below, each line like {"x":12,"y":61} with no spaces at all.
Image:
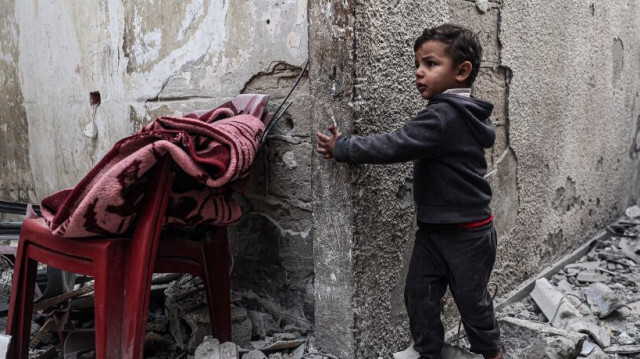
{"x":418,"y":138}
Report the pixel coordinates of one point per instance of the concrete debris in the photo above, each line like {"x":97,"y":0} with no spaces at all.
{"x":562,"y":314}
{"x":526,"y":339}
{"x":598,"y":295}
{"x":209,"y":349}
{"x":482,"y":5}
{"x":297,"y":353}
{"x":629,"y":250}
{"x":262,"y":323}
{"x":254,"y":354}
{"x":591,"y":277}
{"x":587,"y":348}
{"x":241,"y":326}
{"x":623,"y":349}
{"x":632,"y":212}
{"x":603,"y":299}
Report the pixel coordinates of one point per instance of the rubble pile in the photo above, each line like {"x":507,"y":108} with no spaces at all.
{"x":178,"y":325}
{"x":588,"y":309}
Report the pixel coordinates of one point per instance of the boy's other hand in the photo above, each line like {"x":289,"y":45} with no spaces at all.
{"x":326,"y":144}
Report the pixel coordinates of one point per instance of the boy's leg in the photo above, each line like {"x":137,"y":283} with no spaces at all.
{"x":425,"y":286}
{"x":470,"y":255}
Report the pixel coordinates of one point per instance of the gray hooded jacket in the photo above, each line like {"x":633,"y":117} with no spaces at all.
{"x":446,"y":141}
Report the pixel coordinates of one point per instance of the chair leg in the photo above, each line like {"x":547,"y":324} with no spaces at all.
{"x":109,"y":298}
{"x":21,"y":307}
{"x":216,"y":253}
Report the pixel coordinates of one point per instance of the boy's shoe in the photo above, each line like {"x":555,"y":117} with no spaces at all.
{"x":499,"y":356}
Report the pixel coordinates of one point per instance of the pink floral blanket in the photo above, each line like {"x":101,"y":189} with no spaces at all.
{"x":210,"y":150}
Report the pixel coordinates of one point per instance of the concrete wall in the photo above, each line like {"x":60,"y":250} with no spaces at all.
{"x":564,"y":77}
{"x":16,"y":182}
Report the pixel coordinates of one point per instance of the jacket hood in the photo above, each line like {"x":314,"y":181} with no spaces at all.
{"x":476,"y":114}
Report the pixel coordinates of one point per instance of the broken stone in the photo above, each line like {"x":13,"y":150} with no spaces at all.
{"x":602,"y":299}
{"x":254,"y":354}
{"x":587,"y":348}
{"x":276,"y":356}
{"x":622,"y":349}
{"x":591,"y":277}
{"x":262,"y":324}
{"x":241,"y":327}
{"x":629,"y":251}
{"x":524,"y":339}
{"x":591,"y":265}
{"x":562,"y":314}
{"x":209,"y":349}
{"x":632,"y":212}
{"x":296,"y":353}
{"x":4,"y":344}
{"x":229,"y":350}
{"x":188,"y":314}
{"x":482,"y":5}
{"x":624,"y":339}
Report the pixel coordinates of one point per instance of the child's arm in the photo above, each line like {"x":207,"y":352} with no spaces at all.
{"x":326,"y":144}
{"x":418,"y":138}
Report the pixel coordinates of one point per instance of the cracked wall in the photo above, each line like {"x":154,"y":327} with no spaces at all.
{"x":16,"y":183}
{"x":165,"y":58}
{"x":565,"y":88}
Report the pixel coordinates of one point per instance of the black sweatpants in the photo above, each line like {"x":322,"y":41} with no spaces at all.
{"x":462,"y":259}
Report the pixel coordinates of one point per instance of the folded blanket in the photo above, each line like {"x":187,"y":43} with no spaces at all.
{"x":210,"y":150}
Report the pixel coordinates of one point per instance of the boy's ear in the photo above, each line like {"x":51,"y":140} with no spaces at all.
{"x":464,"y":70}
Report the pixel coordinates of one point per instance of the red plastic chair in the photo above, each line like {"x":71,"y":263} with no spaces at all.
{"x":120,"y":267}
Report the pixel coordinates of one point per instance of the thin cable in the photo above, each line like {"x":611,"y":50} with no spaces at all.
{"x":276,"y":116}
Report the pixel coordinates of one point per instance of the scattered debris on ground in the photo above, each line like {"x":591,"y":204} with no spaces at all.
{"x":588,"y":309}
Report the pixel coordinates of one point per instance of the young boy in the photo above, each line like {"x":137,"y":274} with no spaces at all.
{"x":456,"y":242}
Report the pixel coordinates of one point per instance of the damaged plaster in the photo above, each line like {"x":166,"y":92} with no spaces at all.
{"x":16,"y":182}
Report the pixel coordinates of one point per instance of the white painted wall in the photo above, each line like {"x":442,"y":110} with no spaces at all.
{"x":180,"y":55}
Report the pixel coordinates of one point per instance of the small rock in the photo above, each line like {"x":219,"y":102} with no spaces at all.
{"x":254,"y":354}
{"x":591,"y":277}
{"x":229,"y":350}
{"x":209,"y":349}
{"x":625,"y":339}
{"x":482,"y":5}
{"x":632,"y":212}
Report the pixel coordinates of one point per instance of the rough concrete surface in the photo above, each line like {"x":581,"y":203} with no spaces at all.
{"x":573,"y":102}
{"x":331,"y":37}
{"x":384,"y":98}
{"x":16,"y":183}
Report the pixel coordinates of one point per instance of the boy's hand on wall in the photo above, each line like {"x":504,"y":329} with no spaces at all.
{"x":326,"y":144}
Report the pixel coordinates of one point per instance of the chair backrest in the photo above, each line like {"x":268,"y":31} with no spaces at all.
{"x":142,"y":250}
{"x":151,"y":214}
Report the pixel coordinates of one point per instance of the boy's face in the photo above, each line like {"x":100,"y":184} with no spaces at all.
{"x":435,"y":70}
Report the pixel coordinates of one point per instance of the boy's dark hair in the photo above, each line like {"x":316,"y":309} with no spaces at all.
{"x":462,"y":45}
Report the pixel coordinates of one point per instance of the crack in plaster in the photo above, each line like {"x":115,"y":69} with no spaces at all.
{"x":284,"y":231}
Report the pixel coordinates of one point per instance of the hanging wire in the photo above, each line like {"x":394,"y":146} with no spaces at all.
{"x":278,"y":114}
